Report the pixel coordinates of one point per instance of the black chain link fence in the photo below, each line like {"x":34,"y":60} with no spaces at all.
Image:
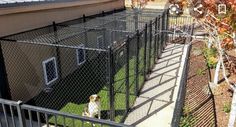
{"x":179,"y":29}
{"x":60,"y":66}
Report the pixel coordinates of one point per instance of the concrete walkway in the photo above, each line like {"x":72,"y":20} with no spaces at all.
{"x":155,"y":106}
{"x":158,"y":4}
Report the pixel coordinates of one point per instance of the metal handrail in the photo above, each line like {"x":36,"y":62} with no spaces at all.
{"x":22,"y":107}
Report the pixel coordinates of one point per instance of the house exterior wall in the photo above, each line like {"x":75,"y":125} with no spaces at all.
{"x":18,"y":19}
{"x":24,"y":68}
{"x":24,"y":61}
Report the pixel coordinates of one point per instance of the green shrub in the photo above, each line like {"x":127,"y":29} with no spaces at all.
{"x":187,"y":121}
{"x":227,"y":107}
{"x":201,"y":72}
{"x":211,"y":56}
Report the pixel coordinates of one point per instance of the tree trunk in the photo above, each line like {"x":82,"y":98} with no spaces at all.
{"x":216,"y":75}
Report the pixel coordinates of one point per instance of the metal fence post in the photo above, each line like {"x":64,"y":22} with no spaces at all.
{"x":167,"y":26}
{"x":57,"y":50}
{"x":162,"y":31}
{"x":155,"y":42}
{"x":21,"y":114}
{"x":137,"y":64}
{"x":145,"y":52}
{"x":191,"y":31}
{"x":55,"y":32}
{"x":158,"y":36}
{"x":127,"y":74}
{"x":85,"y":32}
{"x":111,"y":83}
{"x":136,"y":21}
{"x":5,"y":90}
{"x":164,"y":28}
{"x":84,"y":18}
{"x":150,"y":47}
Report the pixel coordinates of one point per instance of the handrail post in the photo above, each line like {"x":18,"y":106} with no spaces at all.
{"x":21,"y":114}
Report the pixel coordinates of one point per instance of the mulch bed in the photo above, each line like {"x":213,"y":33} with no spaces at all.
{"x":223,"y":98}
{"x":199,"y":102}
{"x":206,"y":107}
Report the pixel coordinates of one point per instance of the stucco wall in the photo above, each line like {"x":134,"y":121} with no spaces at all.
{"x":24,"y":68}
{"x":18,"y":19}
{"x":25,"y":71}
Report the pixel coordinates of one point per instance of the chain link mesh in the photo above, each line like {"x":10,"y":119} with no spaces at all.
{"x":61,"y":66}
{"x":120,"y":82}
{"x":179,"y":28}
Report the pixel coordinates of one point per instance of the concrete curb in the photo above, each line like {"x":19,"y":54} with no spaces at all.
{"x":181,"y":94}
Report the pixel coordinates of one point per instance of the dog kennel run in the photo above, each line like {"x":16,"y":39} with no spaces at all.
{"x":60,"y":66}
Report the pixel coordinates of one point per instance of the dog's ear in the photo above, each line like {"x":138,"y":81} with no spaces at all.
{"x":98,"y":98}
{"x":91,"y":98}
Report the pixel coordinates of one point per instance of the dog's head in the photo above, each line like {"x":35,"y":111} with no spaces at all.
{"x":94,"y":98}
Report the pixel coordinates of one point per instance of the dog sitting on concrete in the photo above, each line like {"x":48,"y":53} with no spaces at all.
{"x":93,"y":108}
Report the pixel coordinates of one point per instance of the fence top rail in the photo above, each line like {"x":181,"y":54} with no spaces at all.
{"x":183,"y":18}
{"x":73,"y":116}
{"x":129,"y":10}
{"x":112,"y":29}
{"x":65,"y":36}
{"x":52,"y":45}
{"x":58,"y":113}
{"x":9,"y":102}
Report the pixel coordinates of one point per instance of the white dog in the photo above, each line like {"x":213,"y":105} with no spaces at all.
{"x":93,"y":108}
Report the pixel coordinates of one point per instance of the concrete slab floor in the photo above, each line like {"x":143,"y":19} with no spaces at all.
{"x":156,"y":103}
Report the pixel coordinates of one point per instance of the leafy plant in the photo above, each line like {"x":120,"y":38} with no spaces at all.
{"x":227,"y":107}
{"x":211,"y":56}
{"x":187,"y":119}
{"x":186,"y":110}
{"x":201,"y":72}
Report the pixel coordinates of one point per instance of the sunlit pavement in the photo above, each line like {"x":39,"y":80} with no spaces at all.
{"x":156,"y":103}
